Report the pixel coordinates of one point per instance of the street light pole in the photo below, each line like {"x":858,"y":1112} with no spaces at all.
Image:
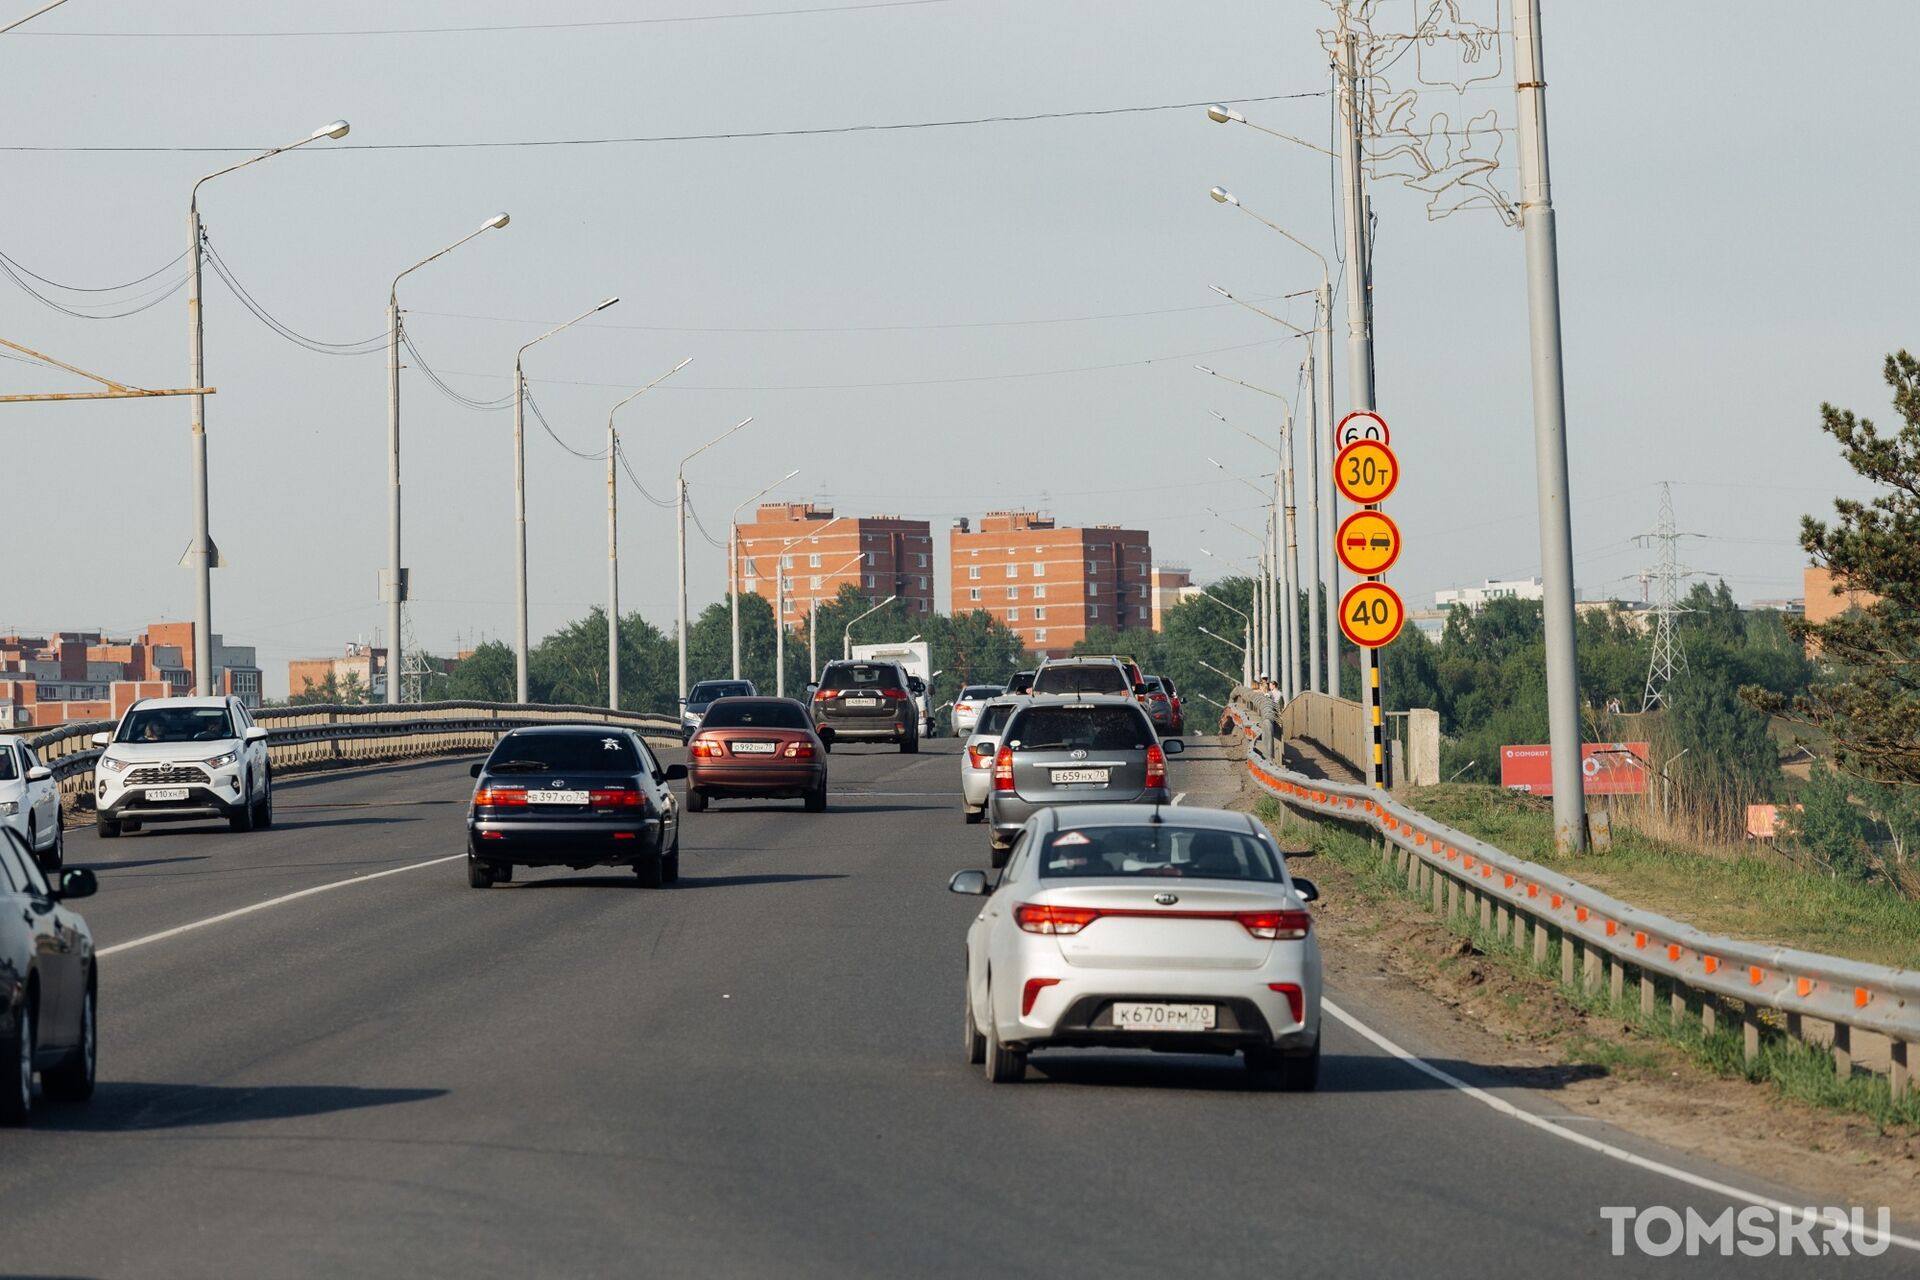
{"x":733,"y":561}
{"x":1549,"y":431}
{"x":813,"y":614}
{"x":780,"y":605}
{"x":202,"y":556}
{"x":395,"y":588}
{"x":613,"y":538}
{"x":520,"y":496}
{"x":680,"y":492}
{"x":846,"y":636}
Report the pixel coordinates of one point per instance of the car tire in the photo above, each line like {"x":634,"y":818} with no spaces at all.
{"x":243,"y":820}
{"x":1002,"y":1064}
{"x":72,"y":1080}
{"x":1300,"y":1072}
{"x":651,"y":871}
{"x":502,"y":872}
{"x":826,"y":744}
{"x":479,"y":874}
{"x":974,"y":816}
{"x":976,"y":1043}
{"x":696,"y":800}
{"x":106,"y":829}
{"x":817,"y":799}
{"x":263,"y":808}
{"x":910,"y":745}
{"x":16,"y":1068}
{"x":56,"y":857}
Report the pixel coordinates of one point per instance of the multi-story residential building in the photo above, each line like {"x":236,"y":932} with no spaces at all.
{"x":1171,"y":584}
{"x":1052,"y":585}
{"x":362,"y":666}
{"x":879,"y":555}
{"x":84,"y":675}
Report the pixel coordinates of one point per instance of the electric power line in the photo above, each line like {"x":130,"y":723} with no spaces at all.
{"x":362,"y":347}
{"x":621,"y":452}
{"x":444,"y":388}
{"x":21,"y":267}
{"x":141,"y":302}
{"x":541,"y":418}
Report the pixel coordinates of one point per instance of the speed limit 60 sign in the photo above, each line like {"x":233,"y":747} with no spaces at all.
{"x":1361,"y":424}
{"x":1371,"y":614}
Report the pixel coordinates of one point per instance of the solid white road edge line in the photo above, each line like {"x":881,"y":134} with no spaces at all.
{"x":1545,"y":1125}
{"x":224,"y":916}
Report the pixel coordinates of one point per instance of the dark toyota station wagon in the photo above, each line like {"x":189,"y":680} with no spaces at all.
{"x":573,"y":796}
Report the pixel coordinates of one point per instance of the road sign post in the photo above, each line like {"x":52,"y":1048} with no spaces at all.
{"x":1371,"y":613}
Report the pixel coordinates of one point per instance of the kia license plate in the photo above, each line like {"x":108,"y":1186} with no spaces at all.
{"x":1163,"y":1017}
{"x":556,"y":797}
{"x":752,"y":748}
{"x":1064,"y":776}
{"x":166,"y":793}
{"x":861,"y":702}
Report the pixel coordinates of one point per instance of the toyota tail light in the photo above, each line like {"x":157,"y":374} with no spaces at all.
{"x":616,"y":799}
{"x":1003,"y":770}
{"x":798,"y":751}
{"x":1156,"y":766}
{"x":495,"y":797}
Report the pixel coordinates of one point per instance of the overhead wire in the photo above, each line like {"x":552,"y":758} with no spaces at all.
{"x":360,"y":347}
{"x":702,"y":528}
{"x":24,"y":269}
{"x":621,"y":452}
{"x":152,"y":298}
{"x":446,"y":389}
{"x":541,"y":418}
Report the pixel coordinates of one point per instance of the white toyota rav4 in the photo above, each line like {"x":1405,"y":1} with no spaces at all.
{"x":182,"y":759}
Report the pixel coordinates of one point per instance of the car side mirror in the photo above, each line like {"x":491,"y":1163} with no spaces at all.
{"x":675,"y":772}
{"x":102,"y":739}
{"x":473,"y":770}
{"x":1173,"y":746}
{"x":78,"y":883}
{"x":1306,"y":889}
{"x":812,"y":689}
{"x":255,"y":734}
{"x":974,"y":883}
{"x":39,"y":773}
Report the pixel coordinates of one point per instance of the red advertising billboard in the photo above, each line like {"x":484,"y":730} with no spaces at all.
{"x":1611,"y":768}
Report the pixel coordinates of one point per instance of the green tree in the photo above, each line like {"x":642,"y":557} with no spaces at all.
{"x":1830,"y":826}
{"x":324,"y":694}
{"x":485,"y":675}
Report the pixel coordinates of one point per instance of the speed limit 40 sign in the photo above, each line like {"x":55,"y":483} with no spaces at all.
{"x":1371,"y":614}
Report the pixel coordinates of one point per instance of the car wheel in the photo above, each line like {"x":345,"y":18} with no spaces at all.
{"x":1300,"y":1072}
{"x":826,"y":744}
{"x":16,"y":1068}
{"x":263,"y":809}
{"x":975,"y":816}
{"x":479,"y":874}
{"x":1003,"y":1065}
{"x":976,"y":1043}
{"x":696,"y":800}
{"x":817,"y":799}
{"x":106,"y":829}
{"x":72,"y":1080}
{"x":910,"y":746}
{"x":243,"y":820}
{"x":56,"y":857}
{"x":652,"y":871}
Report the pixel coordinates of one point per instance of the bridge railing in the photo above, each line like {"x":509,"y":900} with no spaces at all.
{"x":309,"y":737}
{"x":1604,"y":942}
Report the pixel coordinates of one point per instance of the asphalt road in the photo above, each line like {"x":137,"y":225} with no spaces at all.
{"x":756,"y":1073}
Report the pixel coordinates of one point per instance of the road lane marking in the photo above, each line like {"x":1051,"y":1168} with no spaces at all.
{"x":1182,"y":796}
{"x":224,"y":916}
{"x":1547,"y":1125}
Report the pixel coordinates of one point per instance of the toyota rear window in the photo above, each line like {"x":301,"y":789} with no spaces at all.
{"x":564,"y":753}
{"x":771,"y":713}
{"x":1161,"y":850}
{"x":1091,"y":728}
{"x":1099,"y":677}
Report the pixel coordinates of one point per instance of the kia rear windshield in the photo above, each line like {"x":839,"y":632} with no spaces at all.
{"x":770,"y":714}
{"x":564,"y":753}
{"x":1088,"y":728}
{"x":1160,"y":851}
{"x":176,"y":724}
{"x":1093,"y":678}
{"x":859,"y":675}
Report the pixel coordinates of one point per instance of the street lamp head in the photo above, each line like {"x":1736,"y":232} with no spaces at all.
{"x":609,"y":302}
{"x":1202,"y":368}
{"x":338,"y":129}
{"x":1218,"y":415}
{"x":494,"y":223}
{"x":1222,"y":196}
{"x":1221,"y":115}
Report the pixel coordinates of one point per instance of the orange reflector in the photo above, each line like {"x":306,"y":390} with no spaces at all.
{"x":1468,"y":863}
{"x":1506,"y":881}
{"x":1673,"y":951}
{"x":1613,"y":927}
{"x":1802,"y":987}
{"x":1711,"y":962}
{"x":1860,"y":997}
{"x":1554,"y":901}
{"x":1755,"y":973}
{"x":1533,"y":891}
{"x":1580,"y":914}
{"x":1639,"y":939}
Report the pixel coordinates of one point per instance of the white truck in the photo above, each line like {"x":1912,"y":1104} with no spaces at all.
{"x":917,"y":663}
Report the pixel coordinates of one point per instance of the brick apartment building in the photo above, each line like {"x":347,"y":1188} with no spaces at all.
{"x":1171,"y":584}
{"x":85,"y":675}
{"x":880,"y":555}
{"x":361,"y":663}
{"x":1049,"y":584}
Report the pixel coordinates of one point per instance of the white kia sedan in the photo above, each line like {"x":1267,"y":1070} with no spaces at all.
{"x":976,"y":760}
{"x":1144,"y":927}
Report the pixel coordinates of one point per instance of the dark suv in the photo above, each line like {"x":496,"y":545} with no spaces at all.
{"x":866,"y":702}
{"x":1084,"y":676}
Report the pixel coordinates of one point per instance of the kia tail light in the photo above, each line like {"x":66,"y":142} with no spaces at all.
{"x":1040,"y":917}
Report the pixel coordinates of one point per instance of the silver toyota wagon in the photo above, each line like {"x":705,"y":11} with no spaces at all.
{"x":1093,"y":750}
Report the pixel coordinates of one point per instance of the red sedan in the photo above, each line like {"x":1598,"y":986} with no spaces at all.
{"x":756,"y":748}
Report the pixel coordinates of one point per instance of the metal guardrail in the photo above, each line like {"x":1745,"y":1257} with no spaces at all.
{"x":308,"y":737}
{"x":1605,"y":940}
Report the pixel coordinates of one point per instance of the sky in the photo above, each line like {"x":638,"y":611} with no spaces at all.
{"x":932,"y":321}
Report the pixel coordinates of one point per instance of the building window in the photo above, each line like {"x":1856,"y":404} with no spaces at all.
{"x":750,"y":584}
{"x":921,"y":581}
{"x":1140,"y":589}
{"x":973,"y":593}
{"x":1093,"y":566}
{"x":1039,"y":593}
{"x":1039,"y":635}
{"x":1039,"y":568}
{"x":1013,"y":570}
{"x":1013,"y":593}
{"x":1039,"y":613}
{"x":869,"y":582}
{"x":813,"y":561}
{"x":1093,"y":588}
{"x":1093,"y":611}
{"x":786,"y":562}
{"x":973,"y":571}
{"x":1013,"y":615}
{"x":921,"y":560}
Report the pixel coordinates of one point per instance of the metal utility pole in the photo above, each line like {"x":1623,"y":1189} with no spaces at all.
{"x":520,"y":498}
{"x":1290,"y":606}
{"x":779,"y":627}
{"x":1317,"y":578}
{"x":1359,"y":329}
{"x":394,"y":587}
{"x":613,"y":539}
{"x":1549,"y":431}
{"x":1276,"y":620}
{"x":680,"y":492}
{"x":1329,"y":516}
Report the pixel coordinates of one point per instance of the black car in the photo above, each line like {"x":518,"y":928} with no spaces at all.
{"x":1022,"y":683}
{"x":47,"y":984}
{"x":573,"y":796}
{"x":866,"y":702}
{"x":701,"y":696}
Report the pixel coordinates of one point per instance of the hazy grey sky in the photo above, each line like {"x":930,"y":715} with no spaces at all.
{"x":1733,"y":184}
